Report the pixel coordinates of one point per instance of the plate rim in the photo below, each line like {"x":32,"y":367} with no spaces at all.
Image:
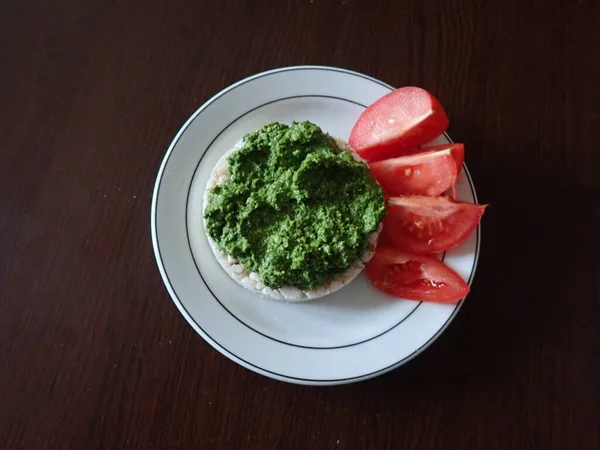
{"x":178,"y":303}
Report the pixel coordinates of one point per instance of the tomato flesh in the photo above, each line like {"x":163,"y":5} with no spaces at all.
{"x":458,"y":153}
{"x":457,"y":149}
{"x":405,"y":118}
{"x":424,"y":173}
{"x":426,"y":225}
{"x":414,"y":277}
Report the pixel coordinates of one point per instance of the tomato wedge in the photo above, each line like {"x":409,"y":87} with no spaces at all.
{"x":414,"y":277}
{"x":399,"y":121}
{"x":424,"y":173}
{"x":425,"y":225}
{"x":458,"y":152}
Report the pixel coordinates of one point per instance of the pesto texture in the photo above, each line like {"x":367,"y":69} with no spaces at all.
{"x":297,"y":210}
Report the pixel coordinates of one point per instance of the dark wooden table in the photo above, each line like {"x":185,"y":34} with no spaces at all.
{"x":93,"y":353}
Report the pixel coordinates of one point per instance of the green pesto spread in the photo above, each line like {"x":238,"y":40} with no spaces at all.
{"x":297,"y":210}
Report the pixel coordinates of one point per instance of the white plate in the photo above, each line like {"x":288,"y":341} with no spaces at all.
{"x":354,"y":334}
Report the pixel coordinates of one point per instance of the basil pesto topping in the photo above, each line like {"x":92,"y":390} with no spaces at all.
{"x":296,"y":210}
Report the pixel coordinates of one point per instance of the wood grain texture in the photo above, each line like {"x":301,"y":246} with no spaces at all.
{"x":93,"y":353}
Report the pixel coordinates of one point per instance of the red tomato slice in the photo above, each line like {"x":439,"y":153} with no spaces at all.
{"x":403,"y":119}
{"x":458,"y":152}
{"x":414,"y":277}
{"x":425,"y":225}
{"x":424,"y":173}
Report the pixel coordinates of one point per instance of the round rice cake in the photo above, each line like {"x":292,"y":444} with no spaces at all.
{"x":251,"y":280}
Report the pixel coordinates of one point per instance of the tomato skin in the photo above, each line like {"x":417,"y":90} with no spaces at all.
{"x":403,"y":119}
{"x":458,"y":153}
{"x":421,"y":173}
{"x":424,"y":225}
{"x":457,"y":149}
{"x":414,"y":277}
